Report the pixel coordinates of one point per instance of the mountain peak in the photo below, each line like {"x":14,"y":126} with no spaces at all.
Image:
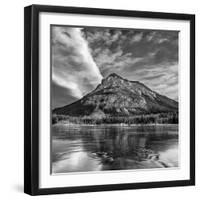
{"x":118,"y":77}
{"x":111,"y":80}
{"x":114,"y":75}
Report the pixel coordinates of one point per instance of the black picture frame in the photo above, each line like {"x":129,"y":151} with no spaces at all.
{"x":31,"y":98}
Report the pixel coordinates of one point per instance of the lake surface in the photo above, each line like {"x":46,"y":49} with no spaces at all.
{"x":96,"y":148}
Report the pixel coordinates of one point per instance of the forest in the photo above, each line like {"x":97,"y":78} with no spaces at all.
{"x":160,"y":118}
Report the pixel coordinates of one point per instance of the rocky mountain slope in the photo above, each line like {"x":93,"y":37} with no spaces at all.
{"x":116,"y":96}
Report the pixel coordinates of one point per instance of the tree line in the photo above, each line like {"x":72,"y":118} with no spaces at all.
{"x":161,"y":118}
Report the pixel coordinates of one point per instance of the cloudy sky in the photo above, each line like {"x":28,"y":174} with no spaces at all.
{"x":82,"y":57}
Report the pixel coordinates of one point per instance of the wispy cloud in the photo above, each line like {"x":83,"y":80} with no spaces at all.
{"x":73,"y":65}
{"x":162,"y":78}
{"x":137,"y":37}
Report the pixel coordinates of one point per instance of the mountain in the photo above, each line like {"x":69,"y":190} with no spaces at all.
{"x":116,"y":96}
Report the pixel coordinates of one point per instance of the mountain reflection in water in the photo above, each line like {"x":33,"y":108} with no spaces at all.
{"x":96,"y":148}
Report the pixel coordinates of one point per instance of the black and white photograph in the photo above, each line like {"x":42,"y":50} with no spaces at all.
{"x":109,"y":99}
{"x":114,"y":99}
